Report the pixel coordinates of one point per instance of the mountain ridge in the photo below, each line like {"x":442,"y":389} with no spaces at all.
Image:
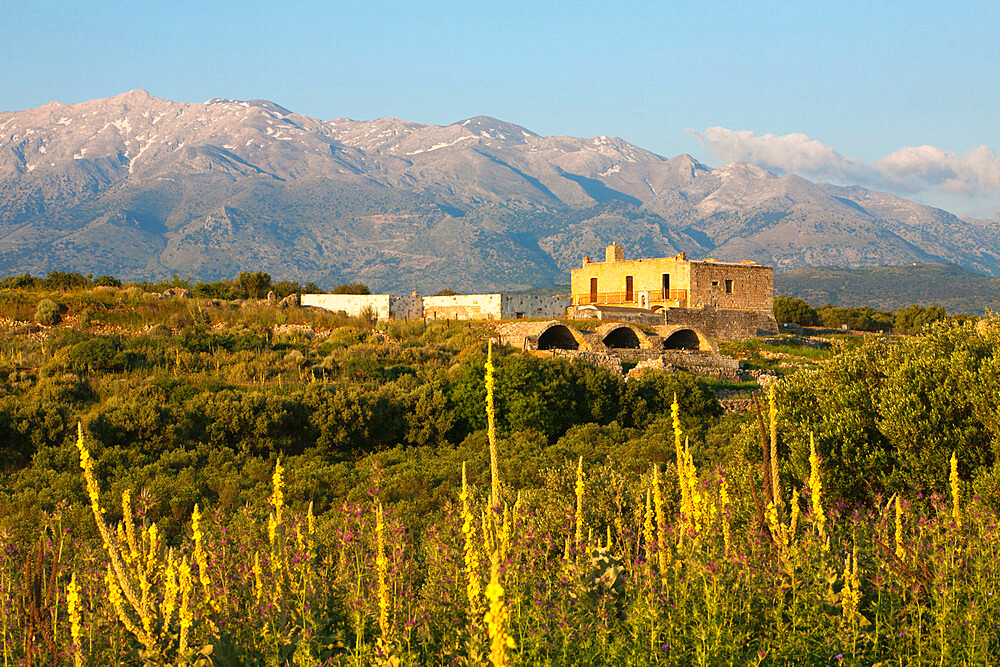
{"x":144,"y":187}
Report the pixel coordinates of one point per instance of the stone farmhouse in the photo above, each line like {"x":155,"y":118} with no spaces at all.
{"x":673,"y":282}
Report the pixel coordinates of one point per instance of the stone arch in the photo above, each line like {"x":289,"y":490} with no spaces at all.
{"x":559,"y":337}
{"x":619,"y":335}
{"x":683,"y":337}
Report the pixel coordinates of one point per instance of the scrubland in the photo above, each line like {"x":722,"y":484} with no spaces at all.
{"x":211,"y":482}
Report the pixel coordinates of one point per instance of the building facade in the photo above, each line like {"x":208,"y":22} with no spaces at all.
{"x":494,"y":307}
{"x":383,"y":306}
{"x":673,"y":282}
{"x":455,"y":307}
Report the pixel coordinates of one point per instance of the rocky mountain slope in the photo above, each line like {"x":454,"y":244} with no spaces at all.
{"x":139,"y":186}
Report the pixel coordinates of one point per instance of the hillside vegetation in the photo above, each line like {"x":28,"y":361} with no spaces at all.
{"x":229,"y":480}
{"x":955,"y":289}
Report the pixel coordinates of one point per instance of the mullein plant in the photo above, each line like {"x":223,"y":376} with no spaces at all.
{"x":579,"y":490}
{"x":956,"y":509}
{"x":772,"y":413}
{"x":146,"y":584}
{"x":73,"y":607}
{"x":491,"y":430}
{"x":816,"y":494}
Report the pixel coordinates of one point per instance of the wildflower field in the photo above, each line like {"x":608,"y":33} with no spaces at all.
{"x":530,"y":511}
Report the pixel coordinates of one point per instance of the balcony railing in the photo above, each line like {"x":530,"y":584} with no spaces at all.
{"x":633,"y":298}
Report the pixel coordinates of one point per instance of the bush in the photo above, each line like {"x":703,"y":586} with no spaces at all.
{"x":913,"y":319}
{"x":349,"y":288}
{"x":794,"y":311}
{"x":254,"y":285}
{"x":107,"y":281}
{"x":47,"y":313}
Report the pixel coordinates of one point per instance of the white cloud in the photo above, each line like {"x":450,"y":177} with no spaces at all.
{"x":910,"y":170}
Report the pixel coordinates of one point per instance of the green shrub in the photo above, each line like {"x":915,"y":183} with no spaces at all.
{"x":794,"y":311}
{"x":47,"y":313}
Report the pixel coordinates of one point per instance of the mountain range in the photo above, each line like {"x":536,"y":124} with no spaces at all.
{"x":142,"y":187}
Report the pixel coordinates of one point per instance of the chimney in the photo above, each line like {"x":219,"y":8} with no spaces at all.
{"x":682,"y":256}
{"x":586,"y":261}
{"x":614,"y":253}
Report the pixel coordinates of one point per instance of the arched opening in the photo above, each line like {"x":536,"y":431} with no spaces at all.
{"x":682,"y":339}
{"x":557,"y":337}
{"x":622,"y":337}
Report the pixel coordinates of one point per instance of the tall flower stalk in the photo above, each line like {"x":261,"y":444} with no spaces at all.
{"x":816,"y":493}
{"x":491,"y":430}
{"x":956,"y":510}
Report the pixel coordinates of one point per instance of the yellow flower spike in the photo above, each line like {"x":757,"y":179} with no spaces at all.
{"x":272,"y":529}
{"x":186,"y":614}
{"x":171,"y":588}
{"x":73,"y":606}
{"x":117,"y":569}
{"x":471,"y":557}
{"x":496,"y":619}
{"x":696,"y":508}
{"x":647,"y":528}
{"x":258,"y":578}
{"x":382,"y":568}
{"x":278,"y":497}
{"x":816,"y":493}
{"x":900,"y":551}
{"x":491,"y":429}
{"x":129,"y":521}
{"x":772,"y":413}
{"x":956,"y":508}
{"x":579,"y":503}
{"x":311,"y":519}
{"x":201,"y":560}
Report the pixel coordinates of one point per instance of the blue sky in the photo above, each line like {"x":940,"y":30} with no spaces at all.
{"x":860,"y":80}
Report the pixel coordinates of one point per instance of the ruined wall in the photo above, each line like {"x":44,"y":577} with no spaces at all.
{"x":752,"y":286}
{"x":494,"y":307}
{"x":463,"y":307}
{"x":409,"y":307}
{"x":352,"y":304}
{"x":723,"y":324}
{"x":516,"y":306}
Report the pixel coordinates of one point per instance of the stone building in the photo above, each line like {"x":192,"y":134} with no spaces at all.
{"x":673,"y":282}
{"x":455,"y":307}
{"x":384,"y":306}
{"x":494,"y":307}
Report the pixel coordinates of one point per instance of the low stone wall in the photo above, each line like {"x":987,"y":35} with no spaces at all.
{"x":632,"y":356}
{"x":608,"y":362}
{"x":699,"y":363}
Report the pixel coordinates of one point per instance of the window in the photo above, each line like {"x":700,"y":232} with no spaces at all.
{"x":729,"y":287}
{"x":593,"y":290}
{"x":666,"y":285}
{"x":715,"y":283}
{"x":628,"y":288}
